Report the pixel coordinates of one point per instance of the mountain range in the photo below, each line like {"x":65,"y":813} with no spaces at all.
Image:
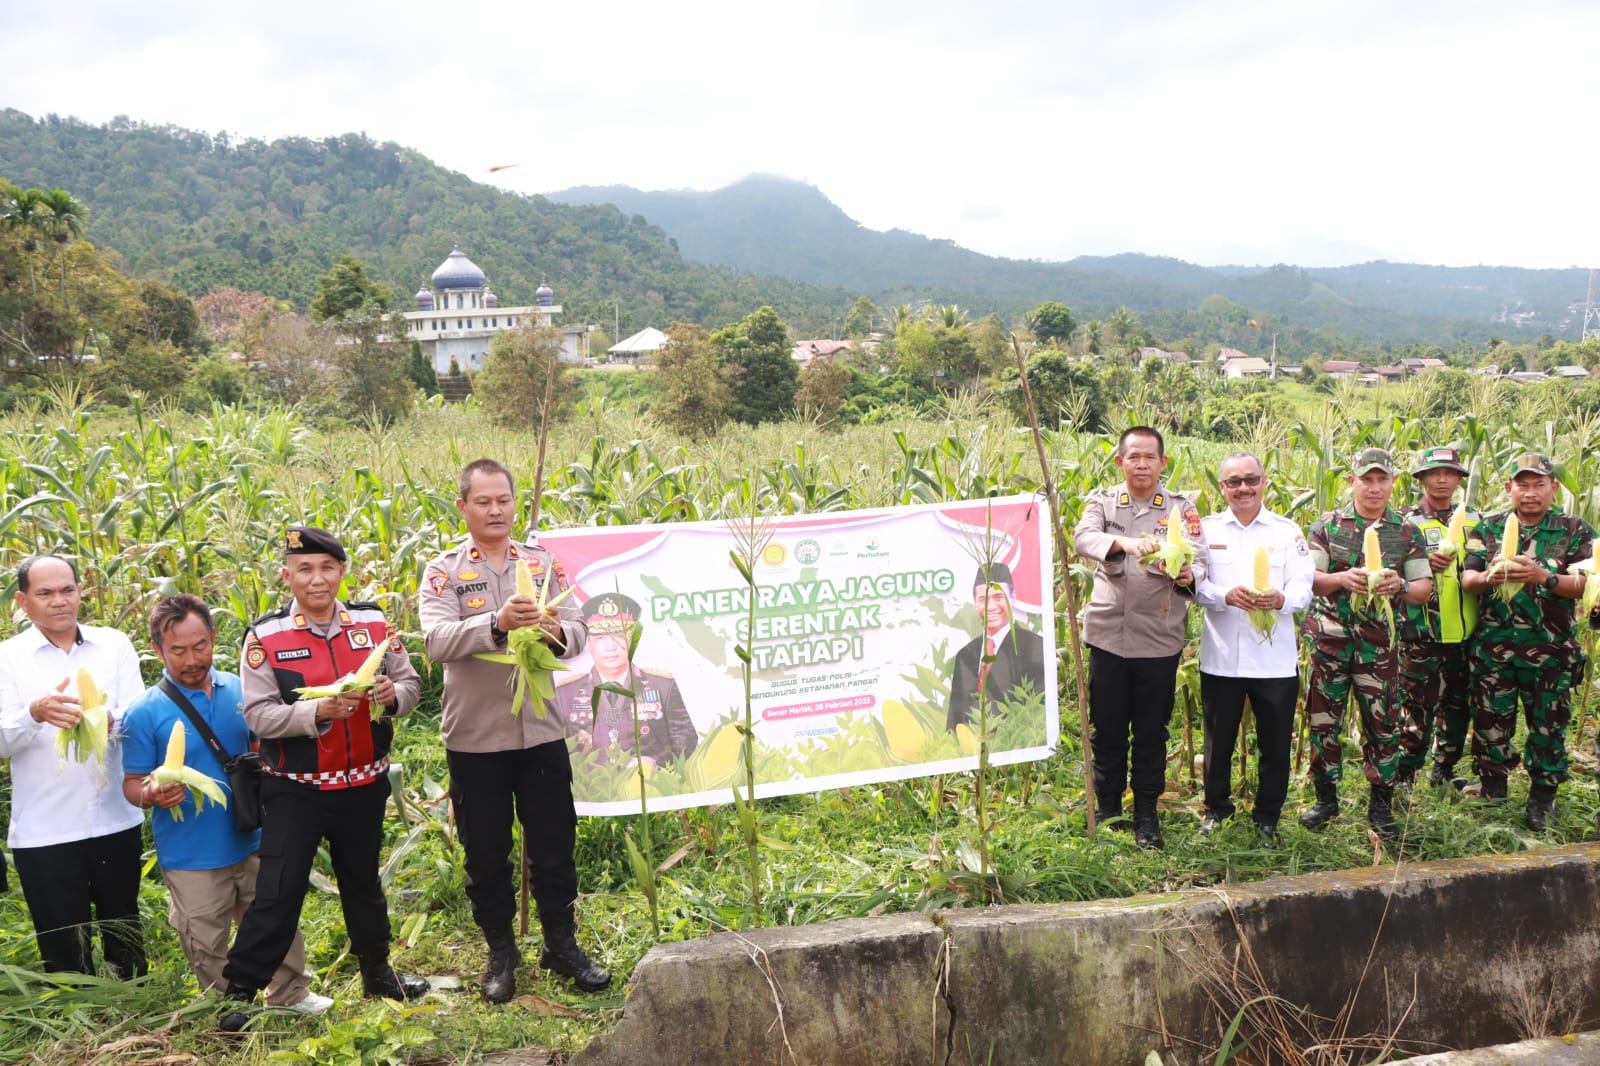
{"x":202,"y":211}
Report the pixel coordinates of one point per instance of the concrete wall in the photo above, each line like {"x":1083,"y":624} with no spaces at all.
{"x":1468,"y":953}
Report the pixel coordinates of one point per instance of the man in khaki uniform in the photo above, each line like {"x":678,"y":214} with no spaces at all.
{"x":1134,"y":627}
{"x":505,"y":760}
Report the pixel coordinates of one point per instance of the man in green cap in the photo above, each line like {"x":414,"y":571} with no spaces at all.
{"x":1433,"y":635}
{"x":1352,"y":646}
{"x":1526,"y":648}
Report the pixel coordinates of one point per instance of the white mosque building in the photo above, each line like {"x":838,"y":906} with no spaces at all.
{"x":458,"y":317}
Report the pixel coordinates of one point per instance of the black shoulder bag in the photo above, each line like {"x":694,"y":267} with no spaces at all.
{"x":243,"y":769}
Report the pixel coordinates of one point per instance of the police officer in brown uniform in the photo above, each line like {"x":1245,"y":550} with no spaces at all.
{"x":607,"y":726}
{"x":1134,"y":627}
{"x":507,"y":764}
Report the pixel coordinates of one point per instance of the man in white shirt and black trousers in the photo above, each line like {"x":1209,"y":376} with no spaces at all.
{"x":74,"y":837}
{"x":1238,"y":661}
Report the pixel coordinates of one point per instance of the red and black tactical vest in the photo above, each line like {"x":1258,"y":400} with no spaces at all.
{"x":352,"y":751}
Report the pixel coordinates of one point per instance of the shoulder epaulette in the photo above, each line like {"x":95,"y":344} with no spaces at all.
{"x":281,"y":612}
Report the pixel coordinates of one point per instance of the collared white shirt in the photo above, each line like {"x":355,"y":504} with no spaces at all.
{"x":56,"y":800}
{"x":1229,"y":645}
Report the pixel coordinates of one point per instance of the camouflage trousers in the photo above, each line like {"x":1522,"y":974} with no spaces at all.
{"x":1340,"y":668}
{"x":1539,"y":676}
{"x":1434,"y":693}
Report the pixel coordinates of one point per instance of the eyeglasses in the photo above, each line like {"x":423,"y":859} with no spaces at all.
{"x":1236,"y":482}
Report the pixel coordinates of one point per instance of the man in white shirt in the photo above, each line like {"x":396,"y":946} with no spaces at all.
{"x":75,"y":839}
{"x":1238,"y":660}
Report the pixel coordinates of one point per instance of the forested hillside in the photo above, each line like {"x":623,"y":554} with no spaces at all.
{"x":205,"y":211}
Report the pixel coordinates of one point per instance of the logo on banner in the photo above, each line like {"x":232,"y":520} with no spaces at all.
{"x":807,"y":552}
{"x":774,"y":554}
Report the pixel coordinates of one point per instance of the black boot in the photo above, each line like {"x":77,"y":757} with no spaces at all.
{"x":1146,"y":826}
{"x":1492,"y":788}
{"x":500,"y":978}
{"x":562,"y":955}
{"x":382,"y":981}
{"x":1108,"y":812}
{"x":1541,"y":800}
{"x":236,"y":1014}
{"x":1380,"y":811}
{"x":1326,"y":808}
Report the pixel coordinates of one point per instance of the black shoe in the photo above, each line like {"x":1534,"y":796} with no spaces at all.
{"x":389,"y":983}
{"x":1108,"y":812}
{"x":239,"y":1009}
{"x":1492,"y":788}
{"x":1269,"y":835}
{"x":1325,"y":810}
{"x":1146,"y":826}
{"x":1380,"y":811}
{"x":562,"y":955}
{"x":1541,"y":801}
{"x":1444,"y":777}
{"x":500,"y":978}
{"x":1211,"y":823}
{"x":1405,"y":778}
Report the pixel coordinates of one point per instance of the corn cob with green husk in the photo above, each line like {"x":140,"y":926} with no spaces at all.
{"x":1508,"y":590}
{"x":173,"y":770}
{"x":1455,"y":537}
{"x":1591,"y":581}
{"x":1263,"y":620}
{"x":1372,"y":561}
{"x":361,"y":680}
{"x":526,"y":650}
{"x":89,"y":737}
{"x":1176,"y":551}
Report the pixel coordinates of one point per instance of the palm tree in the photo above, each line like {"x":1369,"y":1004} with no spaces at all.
{"x":63,"y":217}
{"x":24,"y":214}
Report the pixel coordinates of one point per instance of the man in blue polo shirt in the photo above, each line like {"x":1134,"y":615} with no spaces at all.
{"x":208,"y":865}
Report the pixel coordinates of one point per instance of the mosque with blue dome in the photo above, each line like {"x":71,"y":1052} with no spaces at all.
{"x":457,"y":317}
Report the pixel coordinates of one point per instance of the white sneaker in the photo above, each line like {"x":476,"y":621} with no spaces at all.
{"x":311,"y":1004}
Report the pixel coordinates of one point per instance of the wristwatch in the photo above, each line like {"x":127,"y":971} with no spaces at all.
{"x":1551,"y":582}
{"x":1405,"y":585}
{"x":496,"y":634}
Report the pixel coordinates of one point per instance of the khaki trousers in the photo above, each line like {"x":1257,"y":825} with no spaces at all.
{"x":206,"y":905}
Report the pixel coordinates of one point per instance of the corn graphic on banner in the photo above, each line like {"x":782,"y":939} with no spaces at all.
{"x":873,"y":634}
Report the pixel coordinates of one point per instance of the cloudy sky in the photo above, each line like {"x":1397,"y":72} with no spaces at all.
{"x":1230,"y":131}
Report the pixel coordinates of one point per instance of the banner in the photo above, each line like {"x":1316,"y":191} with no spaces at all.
{"x":867,"y":636}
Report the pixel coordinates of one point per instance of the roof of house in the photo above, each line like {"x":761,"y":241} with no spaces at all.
{"x":648,"y":339}
{"x":1248,"y":364}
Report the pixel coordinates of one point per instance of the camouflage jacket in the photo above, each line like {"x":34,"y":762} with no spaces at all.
{"x":1450,"y":615}
{"x":1336,"y":541}
{"x":1533,"y":616}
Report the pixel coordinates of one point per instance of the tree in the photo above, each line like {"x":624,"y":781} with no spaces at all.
{"x":822,"y":389}
{"x":1062,"y":387}
{"x":1052,"y":323}
{"x":346,"y":290}
{"x":420,"y":370}
{"x":859,"y":322}
{"x":755,"y":354}
{"x":696,"y":400}
{"x":512,"y":384}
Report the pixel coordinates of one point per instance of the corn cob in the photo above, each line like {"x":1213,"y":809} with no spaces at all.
{"x":360,"y":680}
{"x":904,"y":732}
{"x":721,"y":756}
{"x":173,"y":770}
{"x":1177,"y":550}
{"x":1509,"y":545}
{"x":966,"y":738}
{"x":1263,"y":620}
{"x":1372,"y":563}
{"x":1455,"y":537}
{"x":89,"y":737}
{"x":525,"y":647}
{"x":1591,"y":581}
{"x":524,"y":579}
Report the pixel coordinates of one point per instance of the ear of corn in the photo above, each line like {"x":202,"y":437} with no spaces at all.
{"x":361,"y":679}
{"x":1263,"y":620}
{"x":1591,"y":581}
{"x":904,"y":732}
{"x":524,"y":579}
{"x":1455,"y":537}
{"x":967,"y":739}
{"x":91,"y":735}
{"x":721,"y":756}
{"x":201,"y":786}
{"x":1372,"y":563}
{"x":1509,"y":546}
{"x":1176,"y":551}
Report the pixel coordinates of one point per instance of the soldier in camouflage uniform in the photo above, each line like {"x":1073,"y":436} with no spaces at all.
{"x":1526,"y":648}
{"x":1352,"y":648}
{"x":1433,"y":637}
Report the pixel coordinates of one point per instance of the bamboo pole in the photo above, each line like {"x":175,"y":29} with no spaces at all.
{"x":1066,"y":555}
{"x":525,"y":887}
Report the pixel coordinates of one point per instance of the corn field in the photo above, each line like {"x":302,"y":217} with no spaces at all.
{"x":152,"y":500}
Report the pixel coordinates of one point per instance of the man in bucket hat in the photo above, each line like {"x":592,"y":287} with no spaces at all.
{"x":1433,"y":636}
